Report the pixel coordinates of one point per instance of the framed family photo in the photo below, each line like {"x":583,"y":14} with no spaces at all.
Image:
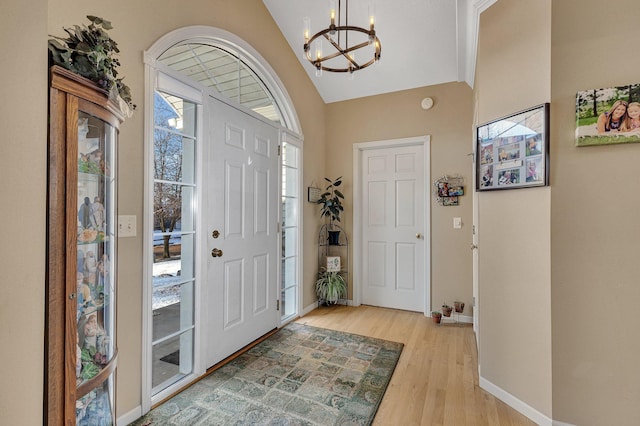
{"x":608,"y":116}
{"x":513,"y":151}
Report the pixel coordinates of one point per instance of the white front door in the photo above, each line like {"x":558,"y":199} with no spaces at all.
{"x":393,"y":228}
{"x":241,"y":205}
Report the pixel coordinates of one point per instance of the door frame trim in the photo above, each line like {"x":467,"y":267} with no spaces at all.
{"x":358,"y":150}
{"x":158,"y":73}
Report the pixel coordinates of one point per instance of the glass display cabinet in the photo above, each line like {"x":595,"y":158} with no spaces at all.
{"x":81,"y":253}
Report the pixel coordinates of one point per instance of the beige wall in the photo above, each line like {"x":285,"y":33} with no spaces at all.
{"x":594,"y":223}
{"x":587,"y":219}
{"x":23,"y":164}
{"x":399,"y":115}
{"x":136,"y":27}
{"x":514,"y":297}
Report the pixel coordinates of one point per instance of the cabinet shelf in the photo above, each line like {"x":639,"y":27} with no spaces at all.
{"x":88,"y":385}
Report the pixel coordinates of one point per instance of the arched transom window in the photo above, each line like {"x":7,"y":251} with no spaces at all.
{"x":226,"y":72}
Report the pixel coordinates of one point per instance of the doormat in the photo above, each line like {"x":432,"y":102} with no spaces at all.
{"x":301,"y":375}
{"x":172,"y":358}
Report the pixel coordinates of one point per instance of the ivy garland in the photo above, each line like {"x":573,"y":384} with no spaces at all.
{"x":89,"y":52}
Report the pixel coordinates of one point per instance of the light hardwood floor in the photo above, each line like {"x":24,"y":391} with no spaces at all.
{"x":436,"y":379}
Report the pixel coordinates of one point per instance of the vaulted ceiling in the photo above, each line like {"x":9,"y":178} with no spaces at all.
{"x":424,"y":42}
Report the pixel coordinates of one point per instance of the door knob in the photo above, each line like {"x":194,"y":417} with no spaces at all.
{"x":215,"y":233}
{"x":216,"y":253}
{"x":418,"y":235}
{"x":473,"y":247}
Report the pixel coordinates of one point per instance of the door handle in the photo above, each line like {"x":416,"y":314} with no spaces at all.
{"x":215,"y":233}
{"x":216,"y":253}
{"x":473,"y":247}
{"x":418,"y":235}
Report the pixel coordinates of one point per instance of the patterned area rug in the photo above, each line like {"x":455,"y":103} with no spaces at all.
{"x":301,"y":375}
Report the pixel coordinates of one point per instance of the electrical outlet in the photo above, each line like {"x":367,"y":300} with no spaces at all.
{"x":127,"y":226}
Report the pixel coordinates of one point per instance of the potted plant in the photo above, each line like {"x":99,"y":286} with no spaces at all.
{"x":436,"y":317}
{"x":331,"y":207}
{"x":458,"y":306}
{"x":446,"y":310}
{"x":330,"y":287}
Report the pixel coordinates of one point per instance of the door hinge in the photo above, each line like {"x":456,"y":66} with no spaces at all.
{"x":279,"y":146}
{"x":277,"y":305}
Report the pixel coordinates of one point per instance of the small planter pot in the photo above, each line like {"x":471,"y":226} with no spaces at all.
{"x":458,"y":306}
{"x":334,"y":238}
{"x":446,"y":311}
{"x":436,"y":317}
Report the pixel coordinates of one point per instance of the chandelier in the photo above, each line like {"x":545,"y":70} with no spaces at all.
{"x":343,"y":57}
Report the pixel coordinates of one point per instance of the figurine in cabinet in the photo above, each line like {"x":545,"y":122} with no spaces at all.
{"x":91,"y":330}
{"x":103,"y":271}
{"x":90,"y":268}
{"x":97,"y":213}
{"x":85,"y":299}
{"x":84,"y":213}
{"x":78,"y":359}
{"x":94,"y":345}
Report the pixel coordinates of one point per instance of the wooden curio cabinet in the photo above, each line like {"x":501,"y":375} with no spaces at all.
{"x":81,"y":351}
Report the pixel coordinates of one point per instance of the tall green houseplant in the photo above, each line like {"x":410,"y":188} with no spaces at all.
{"x":331,"y":206}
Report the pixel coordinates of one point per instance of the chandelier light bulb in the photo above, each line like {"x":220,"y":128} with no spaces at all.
{"x":372,"y":17}
{"x":332,"y":12}
{"x":319,"y":50}
{"x":318,"y":61}
{"x":352,"y":56}
{"x":307,"y":29}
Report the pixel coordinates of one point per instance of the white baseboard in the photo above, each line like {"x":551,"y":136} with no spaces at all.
{"x":518,"y":405}
{"x":130,"y":417}
{"x":314,"y":305}
{"x":558,"y":423}
{"x":309,"y":308}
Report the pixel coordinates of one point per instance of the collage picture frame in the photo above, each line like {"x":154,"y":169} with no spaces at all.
{"x":513,"y":151}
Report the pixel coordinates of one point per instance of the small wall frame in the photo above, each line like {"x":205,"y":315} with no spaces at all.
{"x":447,"y":189}
{"x":313,"y":194}
{"x":513,"y":151}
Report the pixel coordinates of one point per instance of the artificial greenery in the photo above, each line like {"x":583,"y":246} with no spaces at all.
{"x":331,"y":286}
{"x":89,"y":367}
{"x":331,"y":201}
{"x":89,"y":52}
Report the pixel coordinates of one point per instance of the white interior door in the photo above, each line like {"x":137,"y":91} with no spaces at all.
{"x":241,"y":198}
{"x":393,"y":228}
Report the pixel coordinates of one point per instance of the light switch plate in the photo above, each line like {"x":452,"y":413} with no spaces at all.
{"x":127,"y":226}
{"x":457,"y":222}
